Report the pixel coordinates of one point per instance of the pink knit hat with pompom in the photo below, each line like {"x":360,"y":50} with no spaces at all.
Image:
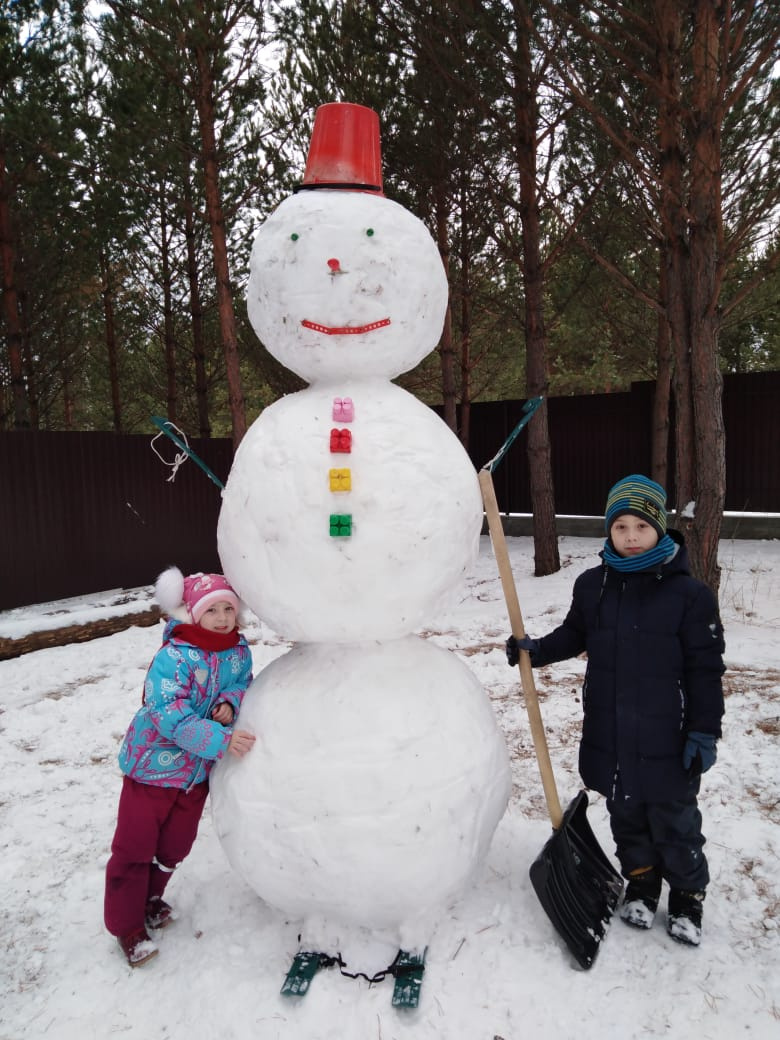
{"x":189,"y":598}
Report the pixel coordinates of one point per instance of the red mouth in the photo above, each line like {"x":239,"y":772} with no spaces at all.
{"x":344,"y":330}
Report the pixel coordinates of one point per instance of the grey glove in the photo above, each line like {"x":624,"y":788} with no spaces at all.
{"x":699,"y":753}
{"x":514,"y":646}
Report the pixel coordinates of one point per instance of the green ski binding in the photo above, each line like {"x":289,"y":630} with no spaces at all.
{"x":304,"y":967}
{"x":408,"y":969}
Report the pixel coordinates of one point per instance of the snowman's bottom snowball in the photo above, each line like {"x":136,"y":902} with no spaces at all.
{"x":371,"y":796}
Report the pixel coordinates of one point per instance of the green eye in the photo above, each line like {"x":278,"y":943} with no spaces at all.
{"x":369,"y":231}
{"x":294,"y":236}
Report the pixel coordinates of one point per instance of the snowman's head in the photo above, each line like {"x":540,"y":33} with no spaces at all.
{"x":346,"y":284}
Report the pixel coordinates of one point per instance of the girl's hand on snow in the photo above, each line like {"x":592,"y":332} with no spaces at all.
{"x":241,"y":742}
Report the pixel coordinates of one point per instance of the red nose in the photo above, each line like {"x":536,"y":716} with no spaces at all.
{"x":334,"y":265}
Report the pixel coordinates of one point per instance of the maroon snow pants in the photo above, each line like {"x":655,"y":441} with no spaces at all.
{"x":155,"y":825}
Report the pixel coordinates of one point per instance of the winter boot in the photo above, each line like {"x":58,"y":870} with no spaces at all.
{"x":159,"y":914}
{"x":684,"y":913}
{"x":641,"y":899}
{"x":137,"y":947}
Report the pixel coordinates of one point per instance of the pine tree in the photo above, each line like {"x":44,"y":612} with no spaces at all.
{"x":210,"y":51}
{"x":37,"y":148}
{"x":682,"y":102}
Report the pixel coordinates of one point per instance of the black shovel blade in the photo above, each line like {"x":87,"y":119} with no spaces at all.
{"x":576,"y":884}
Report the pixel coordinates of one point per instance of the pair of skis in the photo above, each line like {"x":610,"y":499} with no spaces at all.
{"x":407,"y":970}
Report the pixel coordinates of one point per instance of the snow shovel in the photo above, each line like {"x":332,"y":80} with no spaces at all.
{"x":576,"y":884}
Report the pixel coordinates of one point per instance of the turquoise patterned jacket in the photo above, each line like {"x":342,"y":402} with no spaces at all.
{"x":172,"y":741}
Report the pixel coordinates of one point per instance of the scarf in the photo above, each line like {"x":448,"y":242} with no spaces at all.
{"x":212,"y":642}
{"x":660,"y":553}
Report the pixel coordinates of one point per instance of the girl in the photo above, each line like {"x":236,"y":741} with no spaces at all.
{"x":192,"y":693}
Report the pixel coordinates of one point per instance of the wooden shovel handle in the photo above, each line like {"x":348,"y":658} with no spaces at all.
{"x":518,"y":630}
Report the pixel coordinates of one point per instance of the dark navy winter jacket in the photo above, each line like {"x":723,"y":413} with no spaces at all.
{"x":655,"y":659}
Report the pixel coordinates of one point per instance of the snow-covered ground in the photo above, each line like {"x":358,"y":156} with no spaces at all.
{"x":495,"y":966}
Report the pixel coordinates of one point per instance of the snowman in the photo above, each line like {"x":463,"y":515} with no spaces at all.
{"x":349,"y":518}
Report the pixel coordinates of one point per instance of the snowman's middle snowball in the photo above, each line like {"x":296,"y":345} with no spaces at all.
{"x":414,"y":503}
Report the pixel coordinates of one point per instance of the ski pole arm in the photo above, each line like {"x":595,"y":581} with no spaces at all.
{"x":166,"y":426}
{"x":529,"y":408}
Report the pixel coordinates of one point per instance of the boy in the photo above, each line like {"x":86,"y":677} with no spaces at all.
{"x":652,"y":701}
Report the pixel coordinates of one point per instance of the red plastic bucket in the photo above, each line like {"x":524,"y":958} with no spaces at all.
{"x":345,"y":150}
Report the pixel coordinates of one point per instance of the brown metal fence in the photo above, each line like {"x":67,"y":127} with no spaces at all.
{"x":88,"y":512}
{"x":599,"y":438}
{"x":84,"y":512}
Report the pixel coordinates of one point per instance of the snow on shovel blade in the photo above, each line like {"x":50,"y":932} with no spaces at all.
{"x":576,"y":884}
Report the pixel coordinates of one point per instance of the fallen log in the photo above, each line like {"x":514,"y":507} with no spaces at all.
{"x":76,"y":633}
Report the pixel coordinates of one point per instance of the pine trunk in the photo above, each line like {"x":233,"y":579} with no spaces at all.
{"x":13,"y":325}
{"x":216,"y":219}
{"x":546,"y":555}
{"x":690,"y":213}
{"x":705,"y":248}
{"x":446,"y":351}
{"x":107,"y":293}
{"x":465,"y":339}
{"x":196,"y":315}
{"x":169,"y":342}
{"x":663,"y":391}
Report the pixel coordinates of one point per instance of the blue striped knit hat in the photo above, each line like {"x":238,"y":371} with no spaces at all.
{"x":637,"y":496}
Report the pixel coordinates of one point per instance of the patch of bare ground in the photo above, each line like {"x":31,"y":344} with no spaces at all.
{"x":562,"y":735}
{"x":740,"y":678}
{"x":760,"y":690}
{"x":760,"y":928}
{"x":68,"y":689}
